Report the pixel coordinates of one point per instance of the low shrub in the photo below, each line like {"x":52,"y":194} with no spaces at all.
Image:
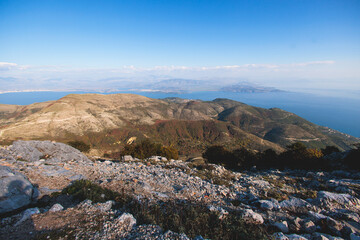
{"x":268,"y":159}
{"x":220,"y":155}
{"x":352,"y":160}
{"x":329,"y":150}
{"x":79,"y":145}
{"x":276,"y":194}
{"x":238,"y":159}
{"x":297,"y":156}
{"x":193,"y":219}
{"x":306,"y":193}
{"x":85,"y":189}
{"x":169,"y":152}
{"x":146,"y":149}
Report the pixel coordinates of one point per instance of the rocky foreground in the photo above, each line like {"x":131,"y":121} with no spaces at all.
{"x":289,"y":204}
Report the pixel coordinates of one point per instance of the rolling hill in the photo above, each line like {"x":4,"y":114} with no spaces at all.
{"x":107,"y":122}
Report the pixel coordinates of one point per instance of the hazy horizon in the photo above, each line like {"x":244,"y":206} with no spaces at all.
{"x":306,"y":46}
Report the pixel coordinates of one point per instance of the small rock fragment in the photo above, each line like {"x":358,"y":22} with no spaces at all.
{"x":279,"y":236}
{"x":309,"y":226}
{"x":56,"y":207}
{"x":27,"y":214}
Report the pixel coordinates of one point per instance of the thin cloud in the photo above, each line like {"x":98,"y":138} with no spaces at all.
{"x":131,"y":68}
{"x":250,"y":66}
{"x":63,"y":77}
{"x":327,"y":62}
{"x":7,"y":65}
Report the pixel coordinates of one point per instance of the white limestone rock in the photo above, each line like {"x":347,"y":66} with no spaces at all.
{"x":56,"y":208}
{"x":251,"y":216}
{"x":15,"y":190}
{"x":27,"y":214}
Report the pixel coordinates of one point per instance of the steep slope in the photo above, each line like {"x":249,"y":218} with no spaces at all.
{"x":13,"y":113}
{"x":108,"y":121}
{"x":189,"y":137}
{"x":6,"y":111}
{"x":79,"y":114}
{"x":282,"y":127}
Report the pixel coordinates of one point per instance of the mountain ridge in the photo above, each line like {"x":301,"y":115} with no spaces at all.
{"x":84,"y":115}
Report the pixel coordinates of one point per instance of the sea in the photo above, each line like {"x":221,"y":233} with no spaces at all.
{"x":339,"y":113}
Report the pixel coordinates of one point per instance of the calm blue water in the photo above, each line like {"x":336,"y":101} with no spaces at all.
{"x":342,"y":114}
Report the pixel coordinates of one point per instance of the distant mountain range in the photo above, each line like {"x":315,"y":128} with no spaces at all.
{"x":177,"y":85}
{"x":112,"y":85}
{"x":248,"y":88}
{"x":107,"y":122}
{"x":187,"y":85}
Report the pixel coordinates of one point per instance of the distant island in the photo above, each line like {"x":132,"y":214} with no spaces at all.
{"x":177,"y":86}
{"x":246,"y":88}
{"x":188,"y":85}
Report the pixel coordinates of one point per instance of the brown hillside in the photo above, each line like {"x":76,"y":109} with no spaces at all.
{"x":186,"y":123}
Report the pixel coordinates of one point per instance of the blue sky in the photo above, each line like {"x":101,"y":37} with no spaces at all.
{"x":281,"y":43}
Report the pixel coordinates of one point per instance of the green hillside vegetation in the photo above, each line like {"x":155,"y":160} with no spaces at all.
{"x":189,"y":137}
{"x":146,"y":149}
{"x":81,"y":146}
{"x":296,"y":156}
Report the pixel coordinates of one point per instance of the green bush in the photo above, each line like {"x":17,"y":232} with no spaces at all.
{"x":146,"y":149}
{"x":169,"y":152}
{"x":267,"y":159}
{"x":237,"y":160}
{"x":329,"y":150}
{"x":85,"y":189}
{"x":352,"y":160}
{"x":297,"y":156}
{"x":219,"y":155}
{"x":81,"y":146}
{"x":245,"y":159}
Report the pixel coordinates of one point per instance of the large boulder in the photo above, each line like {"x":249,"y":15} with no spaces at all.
{"x":269,"y":205}
{"x":295,"y":205}
{"x":15,"y":190}
{"x":332,"y":200}
{"x":53,"y":151}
